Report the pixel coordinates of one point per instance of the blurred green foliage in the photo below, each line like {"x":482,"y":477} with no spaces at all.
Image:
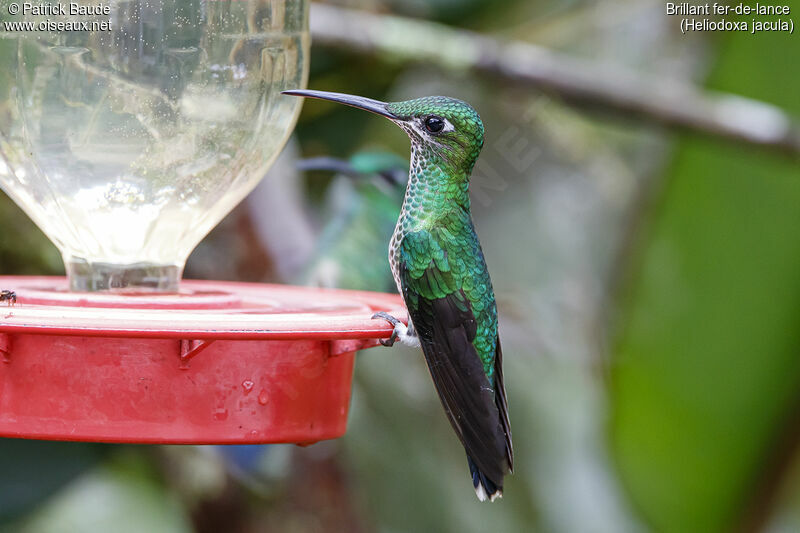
{"x":125,"y":494}
{"x":24,"y":249}
{"x":706,"y":375}
{"x":32,"y":471}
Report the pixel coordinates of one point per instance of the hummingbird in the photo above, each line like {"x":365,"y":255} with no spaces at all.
{"x":363,"y":204}
{"x":440,"y":271}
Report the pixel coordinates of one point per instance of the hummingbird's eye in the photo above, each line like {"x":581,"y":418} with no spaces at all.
{"x":434,"y":124}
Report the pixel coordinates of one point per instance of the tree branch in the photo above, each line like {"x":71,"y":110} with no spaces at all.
{"x":668,"y":102}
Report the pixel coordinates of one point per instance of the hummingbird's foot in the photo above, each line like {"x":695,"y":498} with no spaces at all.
{"x":405,"y":334}
{"x":394,"y":322}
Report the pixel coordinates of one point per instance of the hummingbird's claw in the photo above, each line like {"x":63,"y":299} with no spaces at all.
{"x":405,"y":334}
{"x":391,"y":320}
{"x":386,"y":316}
{"x":390,"y":341}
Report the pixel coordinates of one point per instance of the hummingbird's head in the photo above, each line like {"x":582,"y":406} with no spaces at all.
{"x":450,"y":128}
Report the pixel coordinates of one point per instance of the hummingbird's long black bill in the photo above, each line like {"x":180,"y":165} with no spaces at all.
{"x":367,"y":104}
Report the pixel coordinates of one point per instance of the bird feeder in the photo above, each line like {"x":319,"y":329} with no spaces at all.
{"x":126,"y":144}
{"x":214,"y":362}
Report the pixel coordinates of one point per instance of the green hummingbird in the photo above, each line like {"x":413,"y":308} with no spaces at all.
{"x":439,"y":269}
{"x":363,"y":205}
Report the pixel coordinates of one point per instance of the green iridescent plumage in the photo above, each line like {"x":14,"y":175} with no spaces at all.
{"x":439,"y":269}
{"x":432,"y":274}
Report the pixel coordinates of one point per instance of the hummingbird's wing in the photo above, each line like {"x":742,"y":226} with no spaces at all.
{"x":450,"y":301}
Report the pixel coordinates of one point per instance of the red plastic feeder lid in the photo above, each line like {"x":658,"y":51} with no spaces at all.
{"x":219,"y":362}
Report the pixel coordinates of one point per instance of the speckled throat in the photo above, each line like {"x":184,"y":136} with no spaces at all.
{"x":434,"y":188}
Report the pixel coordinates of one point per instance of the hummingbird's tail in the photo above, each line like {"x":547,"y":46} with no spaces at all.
{"x":485,"y":488}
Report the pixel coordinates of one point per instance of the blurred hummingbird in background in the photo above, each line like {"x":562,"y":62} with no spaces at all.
{"x":362,"y":206}
{"x":439,"y":269}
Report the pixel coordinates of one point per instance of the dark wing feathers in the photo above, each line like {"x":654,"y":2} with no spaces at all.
{"x":502,"y":404}
{"x":444,"y":320}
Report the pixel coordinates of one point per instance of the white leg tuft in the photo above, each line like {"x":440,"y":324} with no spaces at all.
{"x":406,"y":335}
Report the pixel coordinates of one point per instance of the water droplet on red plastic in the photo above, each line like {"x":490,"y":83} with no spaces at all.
{"x":220,"y":414}
{"x":248,"y":385}
{"x":263,"y":397}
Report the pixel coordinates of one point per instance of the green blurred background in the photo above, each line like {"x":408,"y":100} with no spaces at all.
{"x":648,"y":283}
